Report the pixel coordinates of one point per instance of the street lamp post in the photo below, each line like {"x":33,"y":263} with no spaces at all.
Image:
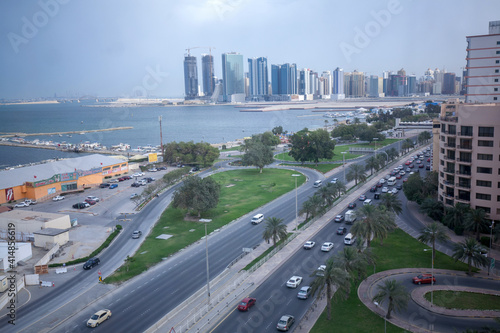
{"x":432,"y":274}
{"x":375,"y":139}
{"x":295,"y":175}
{"x":385,"y":319}
{"x":343,"y":164}
{"x":491,"y":237}
{"x":207,"y":221}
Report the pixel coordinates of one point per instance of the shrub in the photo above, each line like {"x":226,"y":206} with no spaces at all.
{"x":485,"y":241}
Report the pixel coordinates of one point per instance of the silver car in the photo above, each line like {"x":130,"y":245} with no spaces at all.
{"x":285,"y":322}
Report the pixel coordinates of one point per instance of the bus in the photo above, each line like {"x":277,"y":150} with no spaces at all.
{"x":391,"y":181}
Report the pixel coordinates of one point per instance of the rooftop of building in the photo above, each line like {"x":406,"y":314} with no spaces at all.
{"x":50,"y":231}
{"x":29,"y":216}
{"x":19,"y":176}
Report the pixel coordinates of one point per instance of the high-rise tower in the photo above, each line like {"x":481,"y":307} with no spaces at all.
{"x":190,"y":77}
{"x":207,"y":69}
{"x":233,"y":86}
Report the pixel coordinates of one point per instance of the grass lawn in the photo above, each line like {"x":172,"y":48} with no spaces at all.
{"x":337,"y":157}
{"x":379,"y":144}
{"x":237,"y":148}
{"x":323,"y":168}
{"x":234,"y":202}
{"x":352,"y":315}
{"x":464,"y":300}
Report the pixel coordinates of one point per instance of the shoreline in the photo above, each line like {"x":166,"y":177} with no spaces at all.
{"x":19,"y":134}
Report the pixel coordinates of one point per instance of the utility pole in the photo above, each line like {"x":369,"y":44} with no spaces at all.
{"x":161,"y":140}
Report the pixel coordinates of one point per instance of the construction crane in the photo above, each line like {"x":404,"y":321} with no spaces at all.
{"x":210,"y":53}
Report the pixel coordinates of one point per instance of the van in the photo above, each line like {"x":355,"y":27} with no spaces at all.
{"x":317,"y":183}
{"x":257,"y":218}
{"x":349,"y":239}
{"x":376,"y":196}
{"x":367,"y":202}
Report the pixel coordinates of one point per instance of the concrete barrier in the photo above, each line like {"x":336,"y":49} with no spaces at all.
{"x":61,"y":270}
{"x":46,"y":284}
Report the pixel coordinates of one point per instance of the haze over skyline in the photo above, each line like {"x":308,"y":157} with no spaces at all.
{"x":117,"y":48}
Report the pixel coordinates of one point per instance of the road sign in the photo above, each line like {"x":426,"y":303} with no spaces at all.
{"x":99,"y":272}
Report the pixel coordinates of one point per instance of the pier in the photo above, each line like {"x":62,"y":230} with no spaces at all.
{"x":12,"y":135}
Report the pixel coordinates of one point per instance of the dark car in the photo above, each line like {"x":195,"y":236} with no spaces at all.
{"x":81,"y":205}
{"x":126,"y":177}
{"x":379,"y":185}
{"x":341,"y":230}
{"x":373,"y":188}
{"x":135,"y":185}
{"x":420,"y":166}
{"x":362,"y":197}
{"x":162,"y":168}
{"x":246,"y":303}
{"x":104,"y":185}
{"x":121,"y":179}
{"x":352,"y":205}
{"x":424,"y":278}
{"x":428,"y":167}
{"x":399,"y":187}
{"x":91,"y":263}
{"x":393,"y":173}
{"x":376,"y":196}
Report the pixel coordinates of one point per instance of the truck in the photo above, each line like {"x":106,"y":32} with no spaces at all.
{"x":350,"y":216}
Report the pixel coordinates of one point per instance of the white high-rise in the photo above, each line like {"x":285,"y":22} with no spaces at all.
{"x":482,"y":80}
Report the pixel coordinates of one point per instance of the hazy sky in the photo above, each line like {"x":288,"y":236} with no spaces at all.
{"x":118,"y":47}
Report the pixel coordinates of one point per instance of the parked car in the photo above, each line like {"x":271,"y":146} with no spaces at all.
{"x":98,"y":318}
{"x":112,"y":186}
{"x":136,"y":234}
{"x":81,"y":205}
{"x":121,"y":179}
{"x":424,"y":278}
{"x":21,"y":204}
{"x":126,"y":177}
{"x":91,"y":197}
{"x":327,"y":246}
{"x":339,"y":218}
{"x":309,"y":245}
{"x":153,"y":170}
{"x":138,"y":174}
{"x":341,"y":230}
{"x":90,"y":202}
{"x":134,"y":195}
{"x":352,"y":205}
{"x":246,"y":303}
{"x":294,"y":282}
{"x":162,"y":168}
{"x":304,"y":292}
{"x":114,"y":181}
{"x":285,"y":322}
{"x":135,"y":184}
{"x":91,"y":263}
{"x":104,"y":185}
{"x":58,"y":197}
{"x":30,"y":202}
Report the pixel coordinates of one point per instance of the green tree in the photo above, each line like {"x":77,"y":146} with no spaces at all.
{"x":327,"y":193}
{"x":433,"y":208}
{"x":352,"y":262}
{"x":393,"y":153}
{"x":374,"y":223}
{"x":414,"y":188}
{"x":307,"y":208}
{"x":201,"y":153}
{"x":391,"y":202}
{"x":331,"y":277}
{"x":454,"y":217}
{"x":395,"y":293}
{"x":356,"y":172}
{"x":274,"y":229}
{"x":257,"y":154}
{"x":197,"y":195}
{"x":338,"y":188}
{"x":432,"y":233}
{"x":470,"y":250}
{"x":371,"y":163}
{"x":278,"y":130}
{"x":476,"y":221}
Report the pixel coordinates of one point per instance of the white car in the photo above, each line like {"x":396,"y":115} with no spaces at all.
{"x":334,"y":180}
{"x":91,"y":197}
{"x":58,"y":197}
{"x":400,"y":167}
{"x":385,"y":189}
{"x":320,"y":271}
{"x":309,"y":245}
{"x":394,"y":191}
{"x":402,"y":173}
{"x":294,"y":282}
{"x":139,"y":174}
{"x":21,"y":204}
{"x":326,"y":247}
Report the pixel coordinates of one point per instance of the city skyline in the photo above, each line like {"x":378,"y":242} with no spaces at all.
{"x":51,"y":47}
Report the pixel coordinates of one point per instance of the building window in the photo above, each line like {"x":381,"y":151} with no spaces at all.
{"x":107,"y":168}
{"x":495,"y":89}
{"x":442,"y":162}
{"x":483,"y":183}
{"x":486,"y":209}
{"x":498,"y":52}
{"x":486,"y":131}
{"x":496,"y":80}
{"x":497,"y":61}
{"x":466,"y":130}
{"x":483,"y":196}
{"x":496,"y":70}
{"x":498,"y":197}
{"x":485,"y":157}
{"x":484,"y":170}
{"x":485,"y":143}
{"x":494,"y":98}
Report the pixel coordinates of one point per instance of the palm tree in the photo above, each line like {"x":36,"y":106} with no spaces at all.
{"x":327,"y":194}
{"x":470,"y":250}
{"x":455,"y":217}
{"x":395,"y":293}
{"x":374,"y":223}
{"x":371,"y":163}
{"x":356,"y":172}
{"x":432,"y":233}
{"x":393,"y":153}
{"x":392,"y":203}
{"x":275,"y":229}
{"x":338,"y":188}
{"x":432,"y":208}
{"x":317,"y":203}
{"x":331,"y":277}
{"x":307,"y":208}
{"x":351,"y":261}
{"x":476,"y":221}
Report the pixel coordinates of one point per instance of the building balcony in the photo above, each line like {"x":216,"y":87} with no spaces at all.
{"x":465,"y":161}
{"x":450,"y":145}
{"x":448,"y":158}
{"x":464,"y":134}
{"x":461,"y":185}
{"x":462,"y":199}
{"x":450,"y":119}
{"x":452,"y":171}
{"x":464,"y":174}
{"x":464,"y":147}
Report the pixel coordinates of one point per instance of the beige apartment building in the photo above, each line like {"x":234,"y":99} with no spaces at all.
{"x":468,"y":143}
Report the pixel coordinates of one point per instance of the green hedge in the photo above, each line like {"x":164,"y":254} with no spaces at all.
{"x":96,"y":252}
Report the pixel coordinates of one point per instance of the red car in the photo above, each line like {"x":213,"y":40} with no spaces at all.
{"x":90,"y":201}
{"x":398,"y":176}
{"x":246,"y":303}
{"x":424,"y":278}
{"x":407,"y":163}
